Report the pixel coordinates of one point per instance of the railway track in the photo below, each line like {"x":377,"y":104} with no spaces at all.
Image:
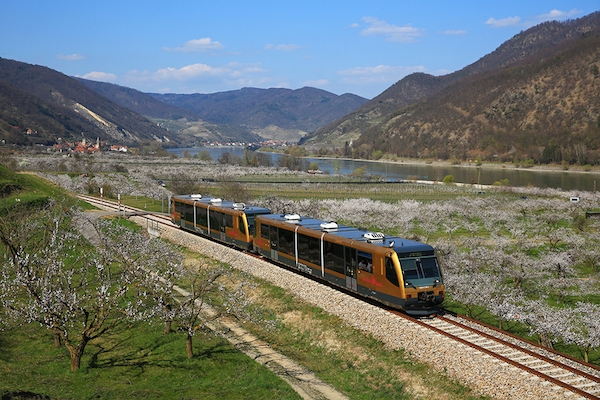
{"x":580,"y":378}
{"x":575,"y":376}
{"x":158,"y":218}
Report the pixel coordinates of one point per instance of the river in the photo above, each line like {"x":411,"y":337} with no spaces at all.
{"x":534,"y":176}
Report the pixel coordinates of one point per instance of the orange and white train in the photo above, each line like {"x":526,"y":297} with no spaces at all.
{"x":397,"y":272}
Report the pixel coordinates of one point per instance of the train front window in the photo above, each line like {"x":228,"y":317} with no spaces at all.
{"x":415,"y":269}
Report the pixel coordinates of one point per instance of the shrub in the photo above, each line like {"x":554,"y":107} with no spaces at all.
{"x":448,"y":179}
{"x":528,"y":163}
{"x":359,"y":172}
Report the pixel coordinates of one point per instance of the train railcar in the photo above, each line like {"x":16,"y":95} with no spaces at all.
{"x":226,"y":221}
{"x":397,"y":272}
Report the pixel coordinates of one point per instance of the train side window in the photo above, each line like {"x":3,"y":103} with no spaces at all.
{"x":390,"y":272}
{"x":309,"y":249}
{"x":274,"y":239}
{"x":189,"y":212}
{"x":286,"y":241}
{"x":228,"y":221}
{"x":216,"y":219}
{"x":365,"y":261}
{"x":264,"y":231}
{"x":334,"y":257}
{"x":201,"y":216}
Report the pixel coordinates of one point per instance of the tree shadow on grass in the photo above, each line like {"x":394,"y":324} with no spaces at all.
{"x":162,"y":351}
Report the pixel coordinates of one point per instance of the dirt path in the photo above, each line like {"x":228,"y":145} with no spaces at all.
{"x":304,"y":382}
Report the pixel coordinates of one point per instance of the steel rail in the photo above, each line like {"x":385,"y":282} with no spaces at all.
{"x":524,"y":350}
{"x":529,"y":342}
{"x":499,"y":356}
{"x":121,"y":207}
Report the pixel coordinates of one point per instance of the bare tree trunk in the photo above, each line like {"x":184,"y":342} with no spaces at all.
{"x":57,"y":341}
{"x":76,"y":352}
{"x":167,"y":329}
{"x":75,"y":361}
{"x":545,"y":341}
{"x":168,"y":320}
{"x":188,"y":346}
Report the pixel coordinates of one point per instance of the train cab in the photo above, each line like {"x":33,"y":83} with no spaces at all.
{"x":397,"y":272}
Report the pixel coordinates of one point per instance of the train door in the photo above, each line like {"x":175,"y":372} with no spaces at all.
{"x":185,"y":213}
{"x":350,"y":267}
{"x":182,"y":214}
{"x":227,"y":222}
{"x":274,"y":243}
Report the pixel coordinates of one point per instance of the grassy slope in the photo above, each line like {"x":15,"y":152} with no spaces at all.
{"x":136,"y":361}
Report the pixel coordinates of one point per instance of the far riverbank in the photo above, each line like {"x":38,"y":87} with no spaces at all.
{"x":547,"y":176}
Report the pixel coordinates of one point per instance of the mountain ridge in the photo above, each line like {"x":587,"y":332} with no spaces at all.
{"x":245,"y":115}
{"x":76,"y":110}
{"x":419,"y":86}
{"x":545,"y":110}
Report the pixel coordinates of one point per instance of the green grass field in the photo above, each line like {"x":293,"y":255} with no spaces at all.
{"x":137,"y":361}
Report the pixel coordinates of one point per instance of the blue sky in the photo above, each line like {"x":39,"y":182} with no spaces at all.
{"x":359,"y":47}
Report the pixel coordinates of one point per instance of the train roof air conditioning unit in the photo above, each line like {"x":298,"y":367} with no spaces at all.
{"x":292,"y":217}
{"x":329,"y":226}
{"x":239,"y":206}
{"x":196,"y":196}
{"x":374,"y":236}
{"x":217,"y":200}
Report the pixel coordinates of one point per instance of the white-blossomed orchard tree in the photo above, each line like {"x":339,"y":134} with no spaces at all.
{"x":52,"y":278}
{"x":584,"y":328}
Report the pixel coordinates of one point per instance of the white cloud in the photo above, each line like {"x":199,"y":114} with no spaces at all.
{"x":100,"y":76}
{"x":197,"y":45}
{"x":558,"y":15}
{"x":379,"y":73}
{"x":501,"y":23}
{"x":196,"y":74}
{"x":282,"y":47}
{"x":394,"y":33}
{"x":70,"y":57}
{"x":189,"y":72}
{"x":455,"y":32}
{"x":552,"y":15}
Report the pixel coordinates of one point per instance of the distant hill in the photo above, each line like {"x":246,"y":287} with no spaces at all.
{"x":181,"y":121}
{"x":245,"y":115}
{"x":270,"y":113}
{"x":20,"y":111}
{"x":49,"y":105}
{"x":137,"y":101}
{"x":374,"y":122}
{"x":545,"y":108}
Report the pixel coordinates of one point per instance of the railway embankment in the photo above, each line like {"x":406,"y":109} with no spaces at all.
{"x":484,"y":374}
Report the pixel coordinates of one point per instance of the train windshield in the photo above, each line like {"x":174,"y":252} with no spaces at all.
{"x":420,"y":271}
